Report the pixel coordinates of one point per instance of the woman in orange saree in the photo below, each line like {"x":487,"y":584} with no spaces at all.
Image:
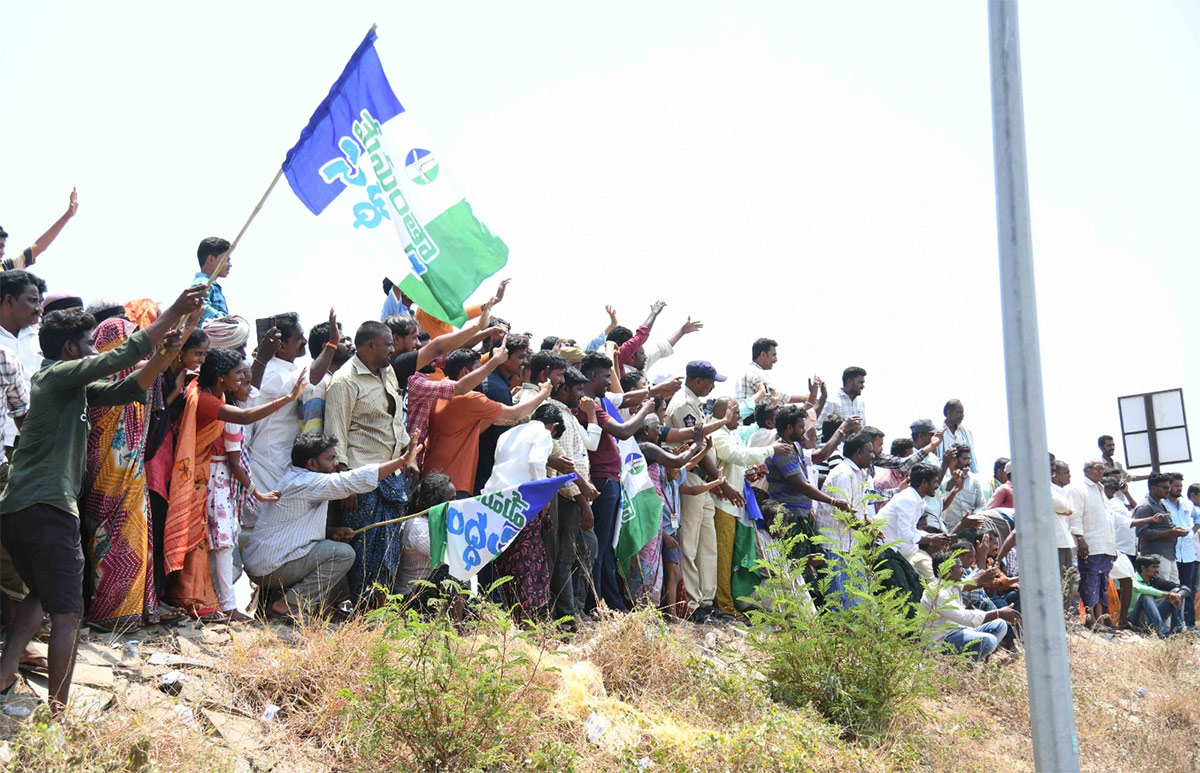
{"x":185,"y":539}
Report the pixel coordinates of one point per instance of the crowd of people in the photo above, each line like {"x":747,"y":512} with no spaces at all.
{"x":153,"y":454}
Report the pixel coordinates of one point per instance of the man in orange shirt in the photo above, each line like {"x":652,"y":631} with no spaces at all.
{"x":456,"y":424}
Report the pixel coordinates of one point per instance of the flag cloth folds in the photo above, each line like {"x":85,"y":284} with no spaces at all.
{"x":467,"y":534}
{"x":641,"y":507}
{"x":363,"y":162}
{"x":744,"y":577}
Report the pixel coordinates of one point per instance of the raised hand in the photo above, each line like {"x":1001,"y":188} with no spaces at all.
{"x":269,"y":345}
{"x":499,"y":296}
{"x":690,"y":326}
{"x":188,"y":301}
{"x":73,"y":204}
{"x":667,"y":388}
{"x":172,"y":344}
{"x":612,"y":319}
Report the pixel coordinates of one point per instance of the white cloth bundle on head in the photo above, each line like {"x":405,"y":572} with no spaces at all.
{"x":230,"y":332}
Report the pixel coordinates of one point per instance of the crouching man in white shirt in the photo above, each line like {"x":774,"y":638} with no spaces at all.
{"x":291,"y":548}
{"x":971,"y":631}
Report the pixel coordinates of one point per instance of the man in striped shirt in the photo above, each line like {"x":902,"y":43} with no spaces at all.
{"x":849,"y":400}
{"x":292,"y":549}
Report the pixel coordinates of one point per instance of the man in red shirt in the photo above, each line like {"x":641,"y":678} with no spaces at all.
{"x":456,"y":424}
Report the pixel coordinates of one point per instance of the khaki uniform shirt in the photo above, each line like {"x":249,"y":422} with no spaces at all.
{"x":686,"y":411}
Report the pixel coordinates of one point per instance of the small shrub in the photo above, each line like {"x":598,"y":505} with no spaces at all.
{"x":436,"y":695}
{"x":861,"y":666}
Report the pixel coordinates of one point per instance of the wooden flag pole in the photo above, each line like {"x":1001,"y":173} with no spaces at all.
{"x":370,"y":526}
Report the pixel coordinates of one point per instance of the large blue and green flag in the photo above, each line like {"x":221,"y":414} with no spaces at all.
{"x":363,"y":162}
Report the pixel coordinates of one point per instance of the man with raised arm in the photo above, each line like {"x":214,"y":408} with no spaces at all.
{"x":39,"y":514}
{"x":30,"y":254}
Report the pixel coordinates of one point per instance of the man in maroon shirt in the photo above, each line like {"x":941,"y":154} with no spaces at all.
{"x":606,"y":476}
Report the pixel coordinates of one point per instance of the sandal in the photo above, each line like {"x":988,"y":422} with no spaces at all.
{"x":170,"y":614}
{"x":34,"y":663}
{"x":6,"y":693}
{"x":237,"y":616}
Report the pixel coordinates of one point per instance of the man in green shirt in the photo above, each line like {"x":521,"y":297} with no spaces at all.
{"x":1154,"y":601}
{"x":39,"y":517}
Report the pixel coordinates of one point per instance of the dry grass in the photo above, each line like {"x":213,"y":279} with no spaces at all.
{"x":682,"y":697}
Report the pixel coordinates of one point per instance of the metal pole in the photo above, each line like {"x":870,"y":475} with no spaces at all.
{"x":1151,"y":431}
{"x":1051,"y":711}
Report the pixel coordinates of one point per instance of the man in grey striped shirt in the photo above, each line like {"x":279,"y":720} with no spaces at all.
{"x":291,"y":548}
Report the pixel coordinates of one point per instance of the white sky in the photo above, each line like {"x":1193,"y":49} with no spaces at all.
{"x":818,"y":173}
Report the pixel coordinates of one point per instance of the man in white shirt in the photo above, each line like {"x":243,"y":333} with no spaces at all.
{"x":1097,"y":548}
{"x":1067,"y":540}
{"x":961,"y":492}
{"x":965,"y":630}
{"x":900,"y":516}
{"x":291,"y":548}
{"x":20,"y":309}
{"x":849,"y":479}
{"x":271,"y":442}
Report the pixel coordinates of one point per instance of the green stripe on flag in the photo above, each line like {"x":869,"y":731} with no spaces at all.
{"x":416,"y":290}
{"x":641,"y":519}
{"x":744,"y":579}
{"x":437,"y":536}
{"x":468,"y":253}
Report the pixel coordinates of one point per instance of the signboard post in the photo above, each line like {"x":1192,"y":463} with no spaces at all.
{"x":1154,"y":429}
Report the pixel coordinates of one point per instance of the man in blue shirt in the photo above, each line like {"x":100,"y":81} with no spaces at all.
{"x":209,"y":255}
{"x":394,"y":302}
{"x":1186,"y":557}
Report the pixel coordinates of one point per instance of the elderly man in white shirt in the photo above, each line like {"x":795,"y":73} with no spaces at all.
{"x":1092,"y":520}
{"x":291,"y":548}
{"x":849,"y":480}
{"x":899,"y":519}
{"x":1067,"y":540}
{"x":955,"y":432}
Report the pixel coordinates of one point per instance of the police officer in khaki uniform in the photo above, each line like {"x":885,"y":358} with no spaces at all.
{"x":697,"y":534}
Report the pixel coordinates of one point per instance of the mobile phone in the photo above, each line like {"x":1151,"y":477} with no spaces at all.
{"x":264,"y":324}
